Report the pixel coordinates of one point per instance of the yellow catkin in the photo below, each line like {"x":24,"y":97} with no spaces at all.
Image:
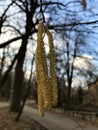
{"x":40,"y":98}
{"x":40,"y":103}
{"x":42,"y":72}
{"x":84,"y":3}
{"x":52,"y":69}
{"x":47,"y":86}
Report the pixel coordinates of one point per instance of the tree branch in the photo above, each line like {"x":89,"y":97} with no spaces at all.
{"x":2,"y":45}
{"x":72,"y":24}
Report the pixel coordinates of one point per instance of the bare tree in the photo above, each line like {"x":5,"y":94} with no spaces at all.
{"x":25,"y":21}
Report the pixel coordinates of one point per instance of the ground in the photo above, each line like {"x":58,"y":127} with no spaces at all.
{"x":7,"y":122}
{"x":30,"y":120}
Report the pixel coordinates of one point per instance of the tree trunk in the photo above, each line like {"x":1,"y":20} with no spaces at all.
{"x":18,"y":82}
{"x":27,"y":93}
{"x":18,"y":79}
{"x":70,"y":73}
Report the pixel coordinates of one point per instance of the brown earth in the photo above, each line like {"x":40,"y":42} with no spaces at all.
{"x":7,"y":122}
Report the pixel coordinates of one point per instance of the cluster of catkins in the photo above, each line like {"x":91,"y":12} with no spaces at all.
{"x":47,"y":83}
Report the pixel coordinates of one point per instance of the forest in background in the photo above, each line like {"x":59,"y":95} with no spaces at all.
{"x":74,"y":25}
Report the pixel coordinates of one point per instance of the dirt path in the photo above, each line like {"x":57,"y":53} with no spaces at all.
{"x":4,"y":104}
{"x":54,"y":121}
{"x":57,"y":121}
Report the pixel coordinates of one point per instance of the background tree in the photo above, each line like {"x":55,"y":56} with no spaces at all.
{"x":21,"y":26}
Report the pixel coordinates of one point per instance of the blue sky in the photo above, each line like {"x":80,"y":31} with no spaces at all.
{"x":80,"y":15}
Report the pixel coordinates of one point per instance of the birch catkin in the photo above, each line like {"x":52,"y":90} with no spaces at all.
{"x":42,"y":72}
{"x":53,"y":79}
{"x":47,"y":85}
{"x":40,"y":103}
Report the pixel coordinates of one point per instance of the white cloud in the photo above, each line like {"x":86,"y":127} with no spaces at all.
{"x":84,"y":63}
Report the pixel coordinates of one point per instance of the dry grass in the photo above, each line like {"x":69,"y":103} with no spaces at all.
{"x":7,"y":122}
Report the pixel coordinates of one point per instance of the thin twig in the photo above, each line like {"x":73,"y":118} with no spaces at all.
{"x":41,"y":11}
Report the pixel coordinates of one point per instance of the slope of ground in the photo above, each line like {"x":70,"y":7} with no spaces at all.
{"x":7,"y":122}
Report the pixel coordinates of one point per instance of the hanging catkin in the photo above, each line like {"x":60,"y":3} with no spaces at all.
{"x":47,"y":85}
{"x":53,"y":79}
{"x":38,"y":69}
{"x":42,"y":72}
{"x":84,"y":4}
{"x":40,"y":103}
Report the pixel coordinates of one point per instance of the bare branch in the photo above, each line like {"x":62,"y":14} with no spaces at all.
{"x":72,"y":24}
{"x":2,"y":45}
{"x":13,"y":27}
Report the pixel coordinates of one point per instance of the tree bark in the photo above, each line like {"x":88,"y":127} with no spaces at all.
{"x":18,"y":86}
{"x":69,"y":70}
{"x":18,"y":82}
{"x":27,"y":93}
